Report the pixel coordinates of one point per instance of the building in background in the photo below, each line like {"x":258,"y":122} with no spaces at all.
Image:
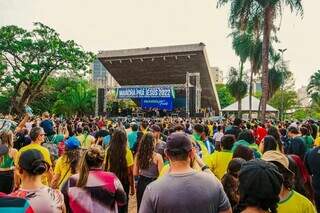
{"x":257,"y":87}
{"x":303,"y":97}
{"x":101,"y":77}
{"x":217,"y":75}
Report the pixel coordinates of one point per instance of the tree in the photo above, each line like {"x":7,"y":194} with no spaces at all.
{"x":237,"y":86}
{"x":54,"y":86}
{"x":248,"y":46}
{"x":78,"y":98}
{"x":289,"y":98}
{"x":32,"y":56}
{"x":271,"y":9}
{"x":313,"y":88}
{"x":245,"y":19}
{"x":241,"y":11}
{"x":224,"y":95}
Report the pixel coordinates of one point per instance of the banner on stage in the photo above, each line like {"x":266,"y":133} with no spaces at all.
{"x":145,"y":92}
{"x":159,"y":103}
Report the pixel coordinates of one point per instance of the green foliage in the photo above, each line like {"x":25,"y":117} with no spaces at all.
{"x":236,"y":85}
{"x":289,"y":100}
{"x":32,"y":56}
{"x":4,"y":103}
{"x":78,"y":98}
{"x":257,"y":94}
{"x":278,"y":73}
{"x":224,"y":95}
{"x":306,"y":113}
{"x":314,"y":88}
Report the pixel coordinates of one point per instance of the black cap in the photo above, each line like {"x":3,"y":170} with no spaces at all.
{"x":33,"y":162}
{"x":178,"y":141}
{"x":260,"y":179}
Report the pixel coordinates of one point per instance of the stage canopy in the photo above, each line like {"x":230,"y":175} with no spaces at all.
{"x":245,"y":106}
{"x":162,"y":66}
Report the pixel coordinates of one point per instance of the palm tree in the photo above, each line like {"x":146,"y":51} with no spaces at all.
{"x":314,"y":88}
{"x":271,"y":9}
{"x":237,"y":86}
{"x":241,"y":11}
{"x":76,"y":99}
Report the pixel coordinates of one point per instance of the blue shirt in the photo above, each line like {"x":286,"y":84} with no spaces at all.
{"x":132,"y":139}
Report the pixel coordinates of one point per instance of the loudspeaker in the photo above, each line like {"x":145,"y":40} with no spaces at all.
{"x":101,"y":100}
{"x":115,"y":109}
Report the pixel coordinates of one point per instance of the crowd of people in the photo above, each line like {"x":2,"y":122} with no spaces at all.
{"x":88,"y":164}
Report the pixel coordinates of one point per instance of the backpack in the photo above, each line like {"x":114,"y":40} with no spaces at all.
{"x":51,"y":146}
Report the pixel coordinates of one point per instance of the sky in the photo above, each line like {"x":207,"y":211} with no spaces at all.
{"x":123,"y":24}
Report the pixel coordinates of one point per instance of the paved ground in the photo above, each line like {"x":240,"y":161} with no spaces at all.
{"x":132,"y":204}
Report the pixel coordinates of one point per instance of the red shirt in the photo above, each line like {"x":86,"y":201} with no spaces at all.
{"x":261,"y":133}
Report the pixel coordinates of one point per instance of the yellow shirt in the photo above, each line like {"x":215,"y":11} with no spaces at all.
{"x":205,"y":154}
{"x":210,"y":127}
{"x":129,"y":157}
{"x":85,"y":140}
{"x":44,"y":151}
{"x":317,"y":141}
{"x":165,"y":169}
{"x":63,"y":169}
{"x":219,"y":162}
{"x":296,"y":203}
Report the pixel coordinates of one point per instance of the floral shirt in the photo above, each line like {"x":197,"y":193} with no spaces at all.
{"x":42,"y":200}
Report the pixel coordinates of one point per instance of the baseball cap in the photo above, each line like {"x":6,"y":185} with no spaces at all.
{"x":155,"y":128}
{"x":178,"y":142}
{"x":33,"y":162}
{"x":72,"y":143}
{"x":276,"y":156}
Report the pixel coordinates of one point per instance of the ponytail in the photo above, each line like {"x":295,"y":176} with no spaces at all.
{"x":83,"y":170}
{"x":91,"y":158}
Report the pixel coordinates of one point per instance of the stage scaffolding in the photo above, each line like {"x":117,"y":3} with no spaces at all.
{"x":101,"y":83}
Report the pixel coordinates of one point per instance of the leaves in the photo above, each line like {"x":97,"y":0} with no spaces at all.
{"x":236,"y":85}
{"x":289,"y":98}
{"x":314,"y":88}
{"x":32,"y":56}
{"x":77,"y":98}
{"x":224,"y":95}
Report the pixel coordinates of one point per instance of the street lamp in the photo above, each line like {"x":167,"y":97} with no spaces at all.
{"x":282,"y":84}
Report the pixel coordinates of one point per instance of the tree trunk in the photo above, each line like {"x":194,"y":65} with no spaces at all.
{"x":18,"y":105}
{"x":239,"y":95}
{"x":259,"y":107}
{"x":250,"y":93}
{"x":268,"y":20}
{"x":239,"y":107}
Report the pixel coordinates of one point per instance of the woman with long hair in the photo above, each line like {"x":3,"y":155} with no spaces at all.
{"x":7,"y":155}
{"x":93,"y":190}
{"x":147,"y":164}
{"x":230,"y":181}
{"x":273,"y":131}
{"x":119,"y":160}
{"x":66,"y":165}
{"x":268,"y":143}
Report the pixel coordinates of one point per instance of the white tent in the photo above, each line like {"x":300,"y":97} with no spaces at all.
{"x":245,"y":106}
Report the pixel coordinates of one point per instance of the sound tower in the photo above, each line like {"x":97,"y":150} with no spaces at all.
{"x":101,"y":100}
{"x":192,"y":97}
